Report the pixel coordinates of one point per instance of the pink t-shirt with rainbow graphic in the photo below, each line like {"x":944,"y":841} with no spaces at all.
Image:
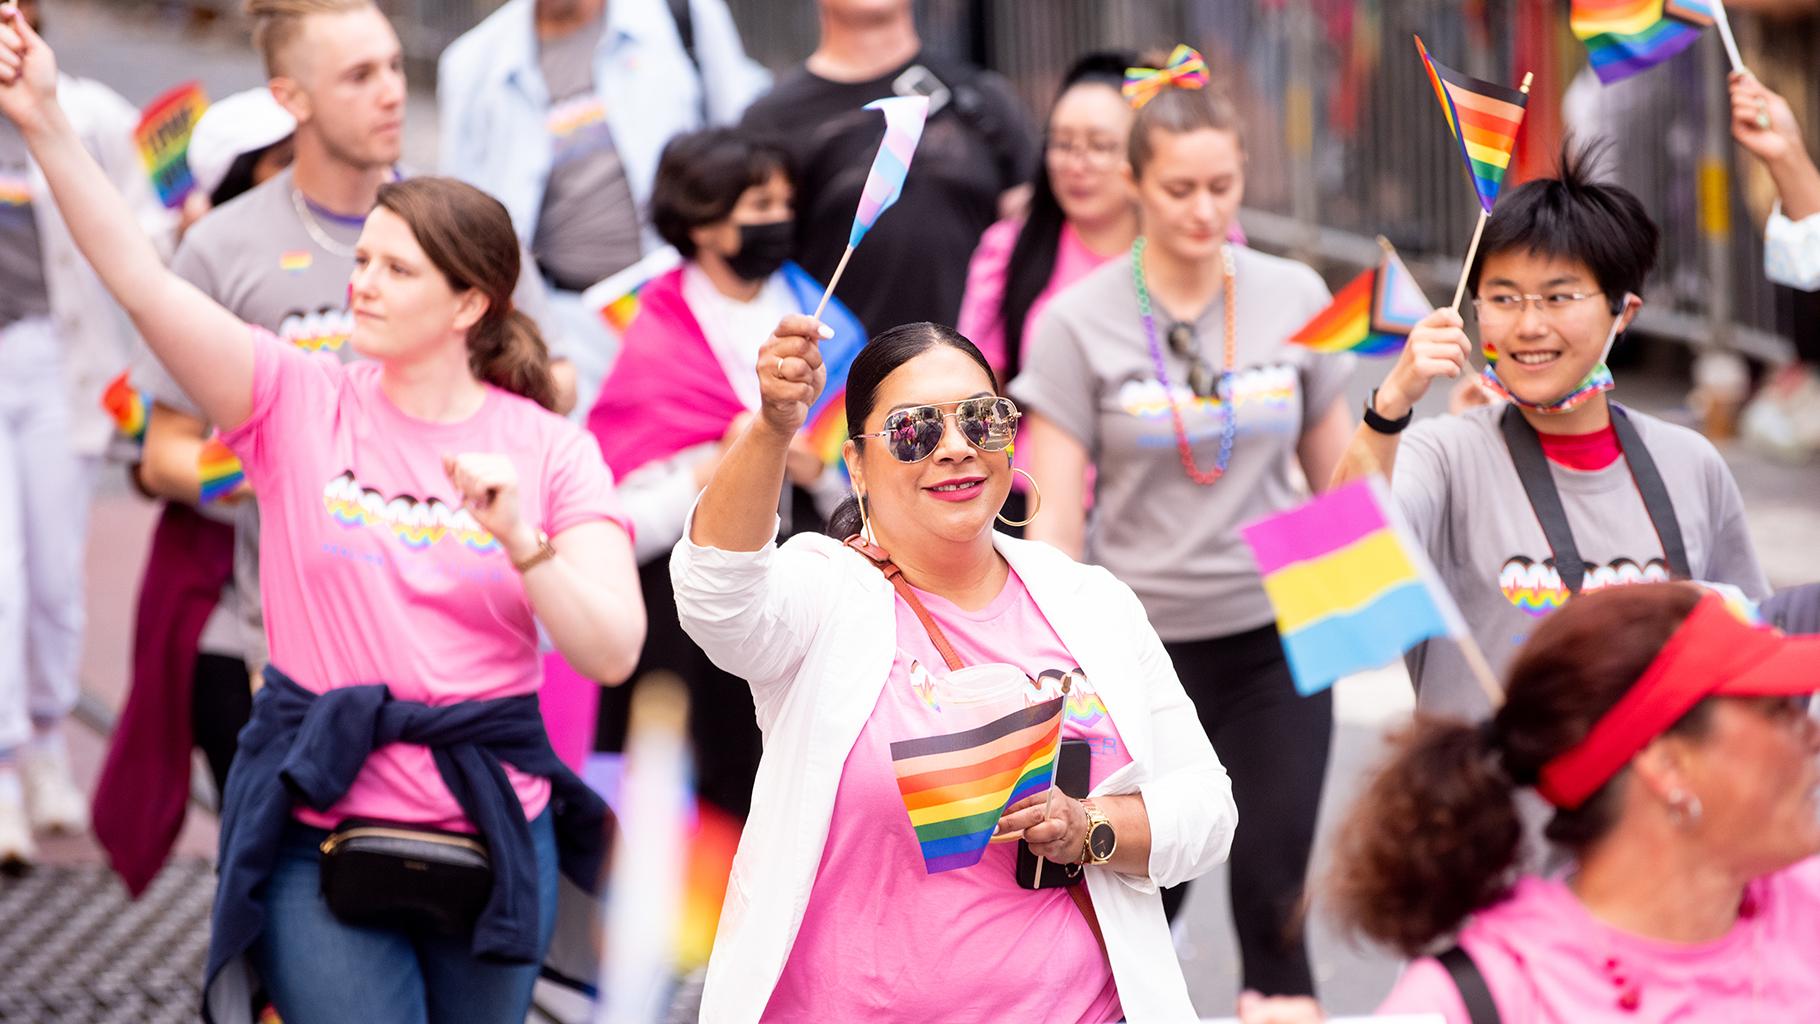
{"x":372,"y":572}
{"x":882,"y":939}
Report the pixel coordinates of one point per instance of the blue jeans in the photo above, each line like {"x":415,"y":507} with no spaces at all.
{"x":319,"y":970}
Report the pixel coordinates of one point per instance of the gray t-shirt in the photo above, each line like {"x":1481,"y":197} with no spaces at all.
{"x":1457,"y":487}
{"x":256,"y":257}
{"x":22,"y":290}
{"x":588,"y":228}
{"x":1176,"y":543}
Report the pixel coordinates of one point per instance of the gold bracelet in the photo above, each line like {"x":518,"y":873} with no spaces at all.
{"x":545,"y":551}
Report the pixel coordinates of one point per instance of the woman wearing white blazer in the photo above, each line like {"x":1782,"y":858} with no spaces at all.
{"x":844,"y":902}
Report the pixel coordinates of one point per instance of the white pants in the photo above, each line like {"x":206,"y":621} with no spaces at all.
{"x":45,"y":489}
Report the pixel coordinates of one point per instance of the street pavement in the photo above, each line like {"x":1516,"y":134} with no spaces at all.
{"x":143,"y":53}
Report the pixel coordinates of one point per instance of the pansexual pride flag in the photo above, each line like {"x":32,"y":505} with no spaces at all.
{"x":1484,"y":119}
{"x":957,"y":786}
{"x":219,"y":469}
{"x":163,"y":137}
{"x":1372,"y":315}
{"x":904,"y":117}
{"x":1351,"y":588}
{"x":1624,"y":37}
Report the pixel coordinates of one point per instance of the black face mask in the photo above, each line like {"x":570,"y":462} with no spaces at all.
{"x":762,"y":249}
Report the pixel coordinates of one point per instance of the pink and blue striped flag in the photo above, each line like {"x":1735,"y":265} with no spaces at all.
{"x":904,"y":117}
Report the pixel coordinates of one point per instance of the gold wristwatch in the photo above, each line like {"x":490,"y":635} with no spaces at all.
{"x":1098,"y":846}
{"x":545,"y":551}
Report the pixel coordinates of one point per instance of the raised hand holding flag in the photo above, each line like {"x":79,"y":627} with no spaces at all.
{"x":904,"y":117}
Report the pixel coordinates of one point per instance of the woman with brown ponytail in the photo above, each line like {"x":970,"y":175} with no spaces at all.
{"x":424,"y":515}
{"x":1671,"y":738}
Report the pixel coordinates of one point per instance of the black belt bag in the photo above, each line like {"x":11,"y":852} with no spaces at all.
{"x":393,"y":875}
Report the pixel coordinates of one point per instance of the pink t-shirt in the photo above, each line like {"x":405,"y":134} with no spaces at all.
{"x":980,"y":320}
{"x":883,"y":940}
{"x":372,"y":572}
{"x":1548,"y":961}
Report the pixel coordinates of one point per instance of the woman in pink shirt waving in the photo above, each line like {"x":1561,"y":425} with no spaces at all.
{"x":1671,"y":739}
{"x":424,"y":515}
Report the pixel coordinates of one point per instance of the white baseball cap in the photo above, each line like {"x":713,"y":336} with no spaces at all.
{"x":245,"y":122}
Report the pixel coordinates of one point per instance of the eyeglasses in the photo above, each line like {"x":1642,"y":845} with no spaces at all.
{"x":1100,"y":152}
{"x":1184,"y":342}
{"x":988,"y":422}
{"x":1506,"y":307}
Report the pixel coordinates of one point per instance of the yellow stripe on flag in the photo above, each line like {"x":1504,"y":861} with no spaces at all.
{"x":1346,"y":580}
{"x":1488,"y":154}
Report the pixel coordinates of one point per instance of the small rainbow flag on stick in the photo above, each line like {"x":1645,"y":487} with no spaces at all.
{"x":1372,"y":315}
{"x":1484,"y":119}
{"x":219,"y":468}
{"x":1624,"y":37}
{"x":904,"y":117}
{"x":126,"y":405}
{"x":1351,"y":588}
{"x":163,"y":136}
{"x":957,"y":786}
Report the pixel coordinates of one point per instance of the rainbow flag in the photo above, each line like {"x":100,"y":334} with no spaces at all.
{"x":1351,"y":588}
{"x":713,"y":840}
{"x":163,"y":137}
{"x":956,"y":787}
{"x":126,"y":405}
{"x":1484,"y":119}
{"x":1372,"y":315}
{"x":219,"y":468}
{"x":904,"y":117}
{"x":1624,"y":37}
{"x":616,"y":299}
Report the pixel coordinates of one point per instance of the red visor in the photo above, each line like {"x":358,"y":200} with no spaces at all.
{"x":1712,"y":654}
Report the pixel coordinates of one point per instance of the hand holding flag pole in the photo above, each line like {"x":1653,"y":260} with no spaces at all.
{"x":904,"y":117}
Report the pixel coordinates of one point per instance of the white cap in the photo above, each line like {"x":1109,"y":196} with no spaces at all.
{"x":245,"y":122}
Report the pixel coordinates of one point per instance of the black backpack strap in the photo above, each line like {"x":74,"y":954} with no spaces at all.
{"x":1480,"y":1009}
{"x":1539,"y":484}
{"x":1655,"y":494}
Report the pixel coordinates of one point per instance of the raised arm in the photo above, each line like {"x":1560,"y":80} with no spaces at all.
{"x":1438,"y":347}
{"x":738,"y":511}
{"x":206,"y":348}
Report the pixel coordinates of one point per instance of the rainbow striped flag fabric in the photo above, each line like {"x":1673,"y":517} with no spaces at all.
{"x":957,"y":786}
{"x":1624,"y":37}
{"x":163,"y":138}
{"x":1372,"y":315}
{"x":219,"y":469}
{"x":616,"y":298}
{"x":1484,"y":119}
{"x":904,"y":117}
{"x":125,"y":405}
{"x":1351,"y":588}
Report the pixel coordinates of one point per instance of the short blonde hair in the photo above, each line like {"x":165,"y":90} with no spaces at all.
{"x":277,"y":22}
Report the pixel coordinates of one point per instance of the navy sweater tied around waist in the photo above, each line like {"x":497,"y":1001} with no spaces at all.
{"x":304,"y":748}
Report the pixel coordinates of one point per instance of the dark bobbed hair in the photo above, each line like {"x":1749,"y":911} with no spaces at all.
{"x":701,"y":176}
{"x":468,"y":236}
{"x":1040,"y":239}
{"x":1437,"y":834}
{"x":239,"y":176}
{"x":1179,"y":111}
{"x":881,"y":356}
{"x":1572,"y":216}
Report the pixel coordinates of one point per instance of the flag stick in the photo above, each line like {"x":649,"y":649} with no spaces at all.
{"x":1459,"y":292}
{"x":1055,"y":767}
{"x":839,"y":269}
{"x":1725,"y":36}
{"x":1481,"y":669}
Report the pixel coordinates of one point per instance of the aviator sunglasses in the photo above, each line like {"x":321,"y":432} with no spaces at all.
{"x":988,"y":422}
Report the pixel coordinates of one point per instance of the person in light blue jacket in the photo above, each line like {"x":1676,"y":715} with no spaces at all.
{"x":560,"y":109}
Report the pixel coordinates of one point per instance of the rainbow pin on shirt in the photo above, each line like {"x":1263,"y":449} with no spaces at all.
{"x":296,"y":261}
{"x":219,"y":468}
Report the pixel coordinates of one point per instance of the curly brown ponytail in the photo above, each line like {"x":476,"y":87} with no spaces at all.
{"x":1437,"y":833}
{"x":468,"y":235}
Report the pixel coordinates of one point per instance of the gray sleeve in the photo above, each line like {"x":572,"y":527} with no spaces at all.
{"x":1420,"y":484}
{"x":1058,"y":381}
{"x":1732,"y":558}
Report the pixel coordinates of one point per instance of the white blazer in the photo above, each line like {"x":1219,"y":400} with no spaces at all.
{"x":812,"y":627}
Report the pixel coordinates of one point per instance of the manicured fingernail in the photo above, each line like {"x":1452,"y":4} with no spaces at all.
{"x":825,"y":331}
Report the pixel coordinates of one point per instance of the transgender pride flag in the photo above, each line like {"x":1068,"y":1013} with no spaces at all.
{"x":904,"y":117}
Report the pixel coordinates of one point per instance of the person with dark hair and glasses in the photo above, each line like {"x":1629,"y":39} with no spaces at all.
{"x":1670,"y":742}
{"x":682,"y":390}
{"x":1167,"y":372}
{"x":867,"y":660}
{"x":1525,"y":503}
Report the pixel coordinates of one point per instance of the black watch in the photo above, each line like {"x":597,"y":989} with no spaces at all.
{"x":1378,"y":422}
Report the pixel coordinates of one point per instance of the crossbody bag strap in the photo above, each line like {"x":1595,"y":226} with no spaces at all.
{"x":1539,"y":485}
{"x":1655,"y":494}
{"x":1480,"y":1009}
{"x":877,"y":556}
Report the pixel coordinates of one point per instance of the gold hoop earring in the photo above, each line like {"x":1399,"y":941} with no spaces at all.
{"x":865,"y":522}
{"x":1035,"y":490}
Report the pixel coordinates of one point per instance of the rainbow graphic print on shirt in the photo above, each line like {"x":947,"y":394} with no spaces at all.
{"x":1536,"y":588}
{"x":328,"y":328}
{"x":577,"y":126}
{"x":15,"y":192}
{"x":418,"y":523}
